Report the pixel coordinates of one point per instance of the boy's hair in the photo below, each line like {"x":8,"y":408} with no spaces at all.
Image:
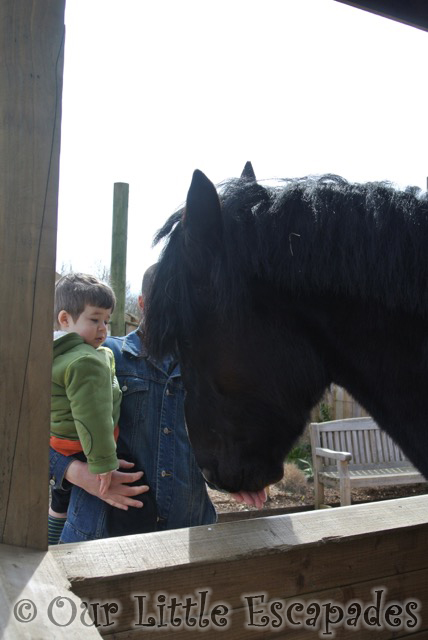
{"x":75,"y":290}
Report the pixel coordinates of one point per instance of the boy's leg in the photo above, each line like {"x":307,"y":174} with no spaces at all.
{"x":57,"y":514}
{"x":55,"y":526}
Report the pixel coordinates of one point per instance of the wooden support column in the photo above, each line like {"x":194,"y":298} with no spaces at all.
{"x":118,"y":255}
{"x":31,"y":50}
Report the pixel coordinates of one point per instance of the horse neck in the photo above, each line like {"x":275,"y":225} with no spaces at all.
{"x":379,"y":355}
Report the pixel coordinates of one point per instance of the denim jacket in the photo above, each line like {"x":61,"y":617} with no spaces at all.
{"x":152,"y":428}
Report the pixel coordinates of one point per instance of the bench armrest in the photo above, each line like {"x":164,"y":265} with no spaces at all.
{"x":336,"y":455}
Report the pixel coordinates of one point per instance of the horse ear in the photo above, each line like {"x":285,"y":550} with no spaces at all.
{"x":202,"y":220}
{"x":248,"y":172}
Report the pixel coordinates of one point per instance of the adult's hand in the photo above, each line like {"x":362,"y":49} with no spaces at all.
{"x":119,"y":494}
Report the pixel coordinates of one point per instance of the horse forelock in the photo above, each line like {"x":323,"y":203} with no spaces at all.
{"x":173,"y":310}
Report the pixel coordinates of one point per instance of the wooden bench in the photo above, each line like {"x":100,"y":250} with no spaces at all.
{"x":356,"y":453}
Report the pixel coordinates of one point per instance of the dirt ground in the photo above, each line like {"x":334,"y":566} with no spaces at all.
{"x":284,"y":500}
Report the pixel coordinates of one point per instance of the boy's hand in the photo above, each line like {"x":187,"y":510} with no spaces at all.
{"x":104,"y":480}
{"x":119,"y":494}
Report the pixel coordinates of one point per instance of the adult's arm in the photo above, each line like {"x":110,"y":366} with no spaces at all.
{"x":119,"y":494}
{"x":66,"y":471}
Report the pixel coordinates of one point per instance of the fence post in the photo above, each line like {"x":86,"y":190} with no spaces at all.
{"x":118,"y":255}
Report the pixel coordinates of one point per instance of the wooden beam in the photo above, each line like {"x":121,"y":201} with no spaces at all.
{"x":337,"y":555}
{"x":411,"y":12}
{"x":31,"y":50}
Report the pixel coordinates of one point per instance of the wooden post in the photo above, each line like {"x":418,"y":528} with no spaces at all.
{"x":31,"y":50}
{"x":118,"y":255}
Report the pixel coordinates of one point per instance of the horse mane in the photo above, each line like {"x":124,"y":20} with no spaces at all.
{"x":314,"y":234}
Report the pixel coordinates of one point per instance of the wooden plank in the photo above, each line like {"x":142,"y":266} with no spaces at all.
{"x":378,"y":445}
{"x":389,"y":452}
{"x":247,"y":622}
{"x":355,"y":449}
{"x":231,"y":540}
{"x":349,"y":424}
{"x":360,"y":448}
{"x":402,"y":466}
{"x":36,"y":602}
{"x":374,"y":457}
{"x":31,"y":47}
{"x":285,"y":556}
{"x":348,"y":446}
{"x":332,"y":479}
{"x":366,"y":447}
{"x":260,"y":576}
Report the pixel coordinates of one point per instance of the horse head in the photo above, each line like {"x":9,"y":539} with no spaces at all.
{"x":242,"y":362}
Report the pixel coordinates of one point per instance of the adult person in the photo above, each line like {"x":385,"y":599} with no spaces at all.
{"x":152,"y":431}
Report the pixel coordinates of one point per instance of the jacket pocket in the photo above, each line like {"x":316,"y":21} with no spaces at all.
{"x":133,"y":408}
{"x":133,"y":384}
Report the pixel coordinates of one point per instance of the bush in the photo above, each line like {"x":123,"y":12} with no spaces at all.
{"x":325,"y":412}
{"x":294,"y":480}
{"x":302,"y":451}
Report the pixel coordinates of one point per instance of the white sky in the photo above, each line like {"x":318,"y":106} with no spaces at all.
{"x":154,"y":89}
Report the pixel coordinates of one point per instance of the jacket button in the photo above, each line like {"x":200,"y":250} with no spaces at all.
{"x":124,"y":388}
{"x":52,"y":482}
{"x":166,"y":430}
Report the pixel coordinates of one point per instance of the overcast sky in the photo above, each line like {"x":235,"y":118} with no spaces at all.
{"x":156,"y":89}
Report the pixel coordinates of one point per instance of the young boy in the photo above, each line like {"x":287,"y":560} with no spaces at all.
{"x":86,"y":396}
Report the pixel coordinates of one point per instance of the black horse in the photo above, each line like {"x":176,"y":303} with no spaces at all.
{"x":270,"y":293}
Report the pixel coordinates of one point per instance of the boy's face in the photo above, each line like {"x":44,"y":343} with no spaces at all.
{"x":91,"y":325}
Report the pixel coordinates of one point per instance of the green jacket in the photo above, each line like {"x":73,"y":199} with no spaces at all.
{"x":85,"y":401}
